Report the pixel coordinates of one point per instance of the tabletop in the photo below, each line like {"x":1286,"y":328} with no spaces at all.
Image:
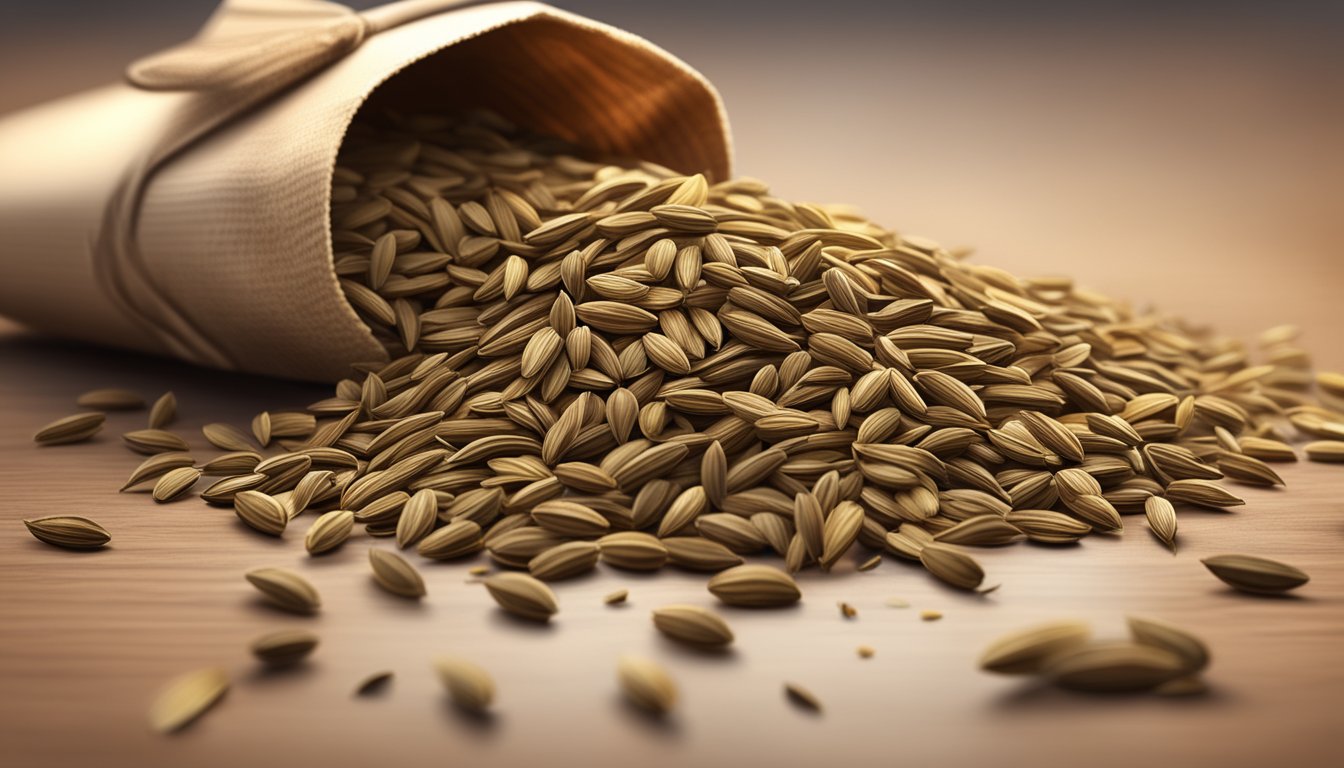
{"x":1200,"y":177}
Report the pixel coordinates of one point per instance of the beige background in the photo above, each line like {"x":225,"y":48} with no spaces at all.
{"x":1193,"y":165}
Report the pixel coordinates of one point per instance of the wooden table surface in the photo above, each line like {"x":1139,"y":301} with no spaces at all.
{"x":1211,"y":189}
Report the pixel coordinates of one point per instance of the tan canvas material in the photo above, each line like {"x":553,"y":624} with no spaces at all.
{"x":187,"y":211}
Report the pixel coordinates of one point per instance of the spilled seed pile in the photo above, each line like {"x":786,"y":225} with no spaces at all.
{"x":610,"y":362}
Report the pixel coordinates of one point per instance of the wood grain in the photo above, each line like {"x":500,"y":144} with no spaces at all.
{"x":1001,"y":156}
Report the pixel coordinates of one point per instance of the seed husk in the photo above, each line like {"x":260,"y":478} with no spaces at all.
{"x":111,"y":400}
{"x":1257,"y":575}
{"x":71,"y":429}
{"x":693,"y":624}
{"x":1202,"y":493}
{"x":470,"y":686}
{"x":1161,"y":519}
{"x":417,"y":517}
{"x":755,"y":586}
{"x":329,"y":531}
{"x":284,"y":647}
{"x":523,"y":596}
{"x":285,"y":589}
{"x":646,"y":685}
{"x":395,"y":575}
{"x":1113,"y":667}
{"x":68,"y":532}
{"x":1026,"y":651}
{"x":186,"y":698}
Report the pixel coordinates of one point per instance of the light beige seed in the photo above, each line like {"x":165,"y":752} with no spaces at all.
{"x":285,"y":589}
{"x":261,"y":512}
{"x":866,"y":651}
{"x":757,"y":586}
{"x":459,"y":538}
{"x":1258,"y":575}
{"x":840,"y":532}
{"x":565,"y":561}
{"x":395,"y":575}
{"x":700,"y":554}
{"x":616,"y":598}
{"x":1329,"y":451}
{"x":469,"y":685}
{"x":284,"y":647}
{"x":163,"y":412}
{"x":174,"y":483}
{"x":522,"y":596}
{"x":1204,"y":493}
{"x":329,"y":531}
{"x":951,"y":565}
{"x":646,"y":685}
{"x":693,"y":624}
{"x":68,"y":532}
{"x":71,"y":429}
{"x":633,"y":551}
{"x":186,"y":698}
{"x":1161,"y":519}
{"x":930,"y":615}
{"x":417,"y":517}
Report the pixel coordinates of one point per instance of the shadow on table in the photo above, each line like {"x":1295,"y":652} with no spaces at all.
{"x":38,"y":363}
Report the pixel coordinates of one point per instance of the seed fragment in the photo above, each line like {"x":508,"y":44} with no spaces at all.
{"x":616,"y":598}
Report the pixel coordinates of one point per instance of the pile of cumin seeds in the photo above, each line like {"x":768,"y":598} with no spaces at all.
{"x":686,"y":373}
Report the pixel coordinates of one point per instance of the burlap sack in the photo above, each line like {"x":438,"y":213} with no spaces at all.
{"x":186,"y":212}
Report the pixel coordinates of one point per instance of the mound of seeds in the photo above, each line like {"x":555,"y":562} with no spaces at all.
{"x":610,"y":362}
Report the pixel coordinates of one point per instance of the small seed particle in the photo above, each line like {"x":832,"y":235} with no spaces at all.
{"x":802,"y":697}
{"x":930,"y":615}
{"x":616,"y":598}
